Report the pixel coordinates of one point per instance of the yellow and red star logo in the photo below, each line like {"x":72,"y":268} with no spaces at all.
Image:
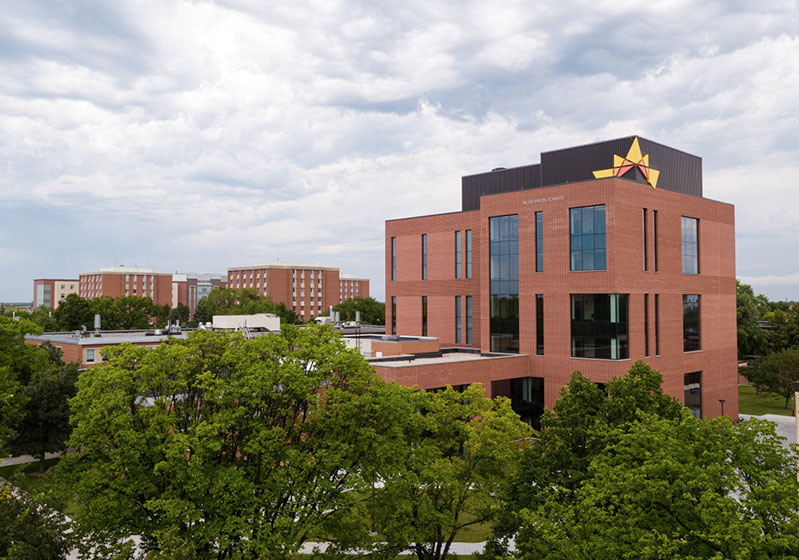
{"x":622,"y":165}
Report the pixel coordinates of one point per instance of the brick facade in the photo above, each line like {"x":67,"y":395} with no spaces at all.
{"x":624,"y":201}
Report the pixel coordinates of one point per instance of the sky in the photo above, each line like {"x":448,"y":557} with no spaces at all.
{"x":195,"y":136}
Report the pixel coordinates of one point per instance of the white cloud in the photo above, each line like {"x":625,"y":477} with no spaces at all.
{"x":213,"y":134}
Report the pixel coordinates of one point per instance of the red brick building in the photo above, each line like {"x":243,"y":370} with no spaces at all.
{"x":50,"y":292}
{"x":598,"y":256}
{"x":189,"y":288}
{"x":118,"y":281}
{"x":304,"y":287}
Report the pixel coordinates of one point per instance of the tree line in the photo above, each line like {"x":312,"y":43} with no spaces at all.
{"x":216,"y":446}
{"x":768,"y":337}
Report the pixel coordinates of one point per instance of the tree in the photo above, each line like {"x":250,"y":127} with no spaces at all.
{"x":45,"y":425}
{"x":244,"y":301}
{"x":456,"y":454}
{"x":776,"y":373}
{"x":12,"y":405}
{"x":784,"y":327}
{"x":73,"y":313}
{"x":180,"y":314}
{"x":674,"y":488}
{"x":135,"y":312}
{"x":373,"y":312}
{"x":43,"y":316}
{"x":18,"y":361}
{"x":30,"y":528}
{"x":557,"y":463}
{"x":240,"y":447}
{"x":752,"y":339}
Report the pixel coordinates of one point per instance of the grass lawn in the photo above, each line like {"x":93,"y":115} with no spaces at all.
{"x":766,"y":403}
{"x":27,"y":477}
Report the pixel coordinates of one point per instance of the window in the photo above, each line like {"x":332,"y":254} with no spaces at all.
{"x":457,"y":255}
{"x":393,"y":314}
{"x":89,"y":355}
{"x":539,"y":324}
{"x":468,"y":253}
{"x":424,"y":315}
{"x":599,"y":326}
{"x":646,"y":260}
{"x":690,"y":245}
{"x":457,"y":319}
{"x":587,"y":226}
{"x":539,"y":242}
{"x":655,"y":238}
{"x":692,"y":389}
{"x":646,"y":324}
{"x":424,"y":256}
{"x":691,"y":340}
{"x":468,"y":319}
{"x":504,"y":283}
{"x":393,"y":259}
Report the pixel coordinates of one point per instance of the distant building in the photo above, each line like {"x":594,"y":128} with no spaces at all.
{"x":119,"y":281}
{"x":189,"y":288}
{"x":85,"y":348}
{"x":352,"y":287}
{"x":598,"y":256}
{"x":50,"y":292}
{"x":306,"y":288}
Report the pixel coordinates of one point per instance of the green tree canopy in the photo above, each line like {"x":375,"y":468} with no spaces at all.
{"x":776,"y":373}
{"x":73,"y":313}
{"x":244,"y":301}
{"x":373,"y":312}
{"x":674,"y":488}
{"x":45,"y":425}
{"x":31,"y":528}
{"x":750,"y":309}
{"x":240,"y":447}
{"x":457,"y":453}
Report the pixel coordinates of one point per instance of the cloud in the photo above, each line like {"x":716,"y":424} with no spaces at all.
{"x":197,"y":136}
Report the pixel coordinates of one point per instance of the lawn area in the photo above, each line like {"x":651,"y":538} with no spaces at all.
{"x":766,"y":403}
{"x":27,"y":478}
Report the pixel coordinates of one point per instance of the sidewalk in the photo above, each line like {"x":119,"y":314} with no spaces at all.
{"x":22,"y":459}
{"x":786,"y":426}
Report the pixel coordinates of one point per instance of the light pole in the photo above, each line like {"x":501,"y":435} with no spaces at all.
{"x":722,"y":401}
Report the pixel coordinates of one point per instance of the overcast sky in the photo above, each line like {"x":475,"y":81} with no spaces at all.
{"x":194,"y":136}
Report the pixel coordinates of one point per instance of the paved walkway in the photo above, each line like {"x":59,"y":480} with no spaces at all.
{"x":786,"y":426}
{"x":22,"y":459}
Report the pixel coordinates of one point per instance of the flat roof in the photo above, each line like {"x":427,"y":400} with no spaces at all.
{"x":134,"y":337}
{"x":407,"y":360}
{"x":282,"y":264}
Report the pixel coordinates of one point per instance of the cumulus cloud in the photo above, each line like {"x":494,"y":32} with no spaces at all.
{"x":201,"y":135}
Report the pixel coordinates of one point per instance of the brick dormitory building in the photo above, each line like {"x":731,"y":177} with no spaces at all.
{"x":598,"y":256}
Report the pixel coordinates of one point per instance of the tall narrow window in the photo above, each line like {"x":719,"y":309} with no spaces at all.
{"x":655,"y":238}
{"x":657,"y":324}
{"x":690,"y":245}
{"x":539,"y":324}
{"x":468,"y":253}
{"x":504,"y":284}
{"x":457,"y":254}
{"x":646,"y":259}
{"x":691,"y":335}
{"x":539,"y":242}
{"x":692,"y":387}
{"x":393,"y":314}
{"x":587,"y":228}
{"x":468,"y":319}
{"x":424,"y":256}
{"x":393,"y":259}
{"x":457,"y":319}
{"x":424,"y":315}
{"x":646,"y":325}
